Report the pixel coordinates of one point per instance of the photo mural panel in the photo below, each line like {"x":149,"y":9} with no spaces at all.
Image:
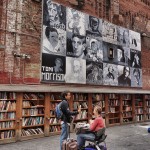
{"x":75,"y":70}
{"x":76,"y":45}
{"x":53,"y":68}
{"x":136,"y":77}
{"x":110,"y":74}
{"x":93,"y":27}
{"x":109,"y":32}
{"x":123,"y":55}
{"x":110,"y":53}
{"x":123,"y":37}
{"x":94,"y":49}
{"x":135,"y":40}
{"x":99,"y":49}
{"x":124,"y":77}
{"x":75,"y":21}
{"x":94,"y":72}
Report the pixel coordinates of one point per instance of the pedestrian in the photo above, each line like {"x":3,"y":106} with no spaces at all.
{"x":67,"y":116}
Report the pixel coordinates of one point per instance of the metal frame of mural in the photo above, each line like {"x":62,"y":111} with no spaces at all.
{"x":82,"y":49}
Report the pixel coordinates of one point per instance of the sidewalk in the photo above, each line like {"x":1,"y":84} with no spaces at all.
{"x":126,"y":137}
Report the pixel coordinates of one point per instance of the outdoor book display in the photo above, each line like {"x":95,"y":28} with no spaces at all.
{"x":31,"y":115}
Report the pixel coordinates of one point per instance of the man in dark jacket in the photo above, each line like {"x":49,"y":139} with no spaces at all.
{"x":67,"y":115}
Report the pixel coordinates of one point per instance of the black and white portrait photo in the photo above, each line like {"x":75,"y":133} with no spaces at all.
{"x":54,"y":15}
{"x":93,"y":27}
{"x":75,"y":21}
{"x":136,"y":77}
{"x":75,"y":70}
{"x":123,"y":37}
{"x":54,"y":41}
{"x":94,"y":50}
{"x":123,"y":54}
{"x":135,"y":40}
{"x":53,"y":68}
{"x":124,"y":77}
{"x":110,"y":74}
{"x":76,"y":46}
{"x":109,"y":32}
{"x":110,"y":53}
{"x":94,"y":73}
{"x":135,"y":59}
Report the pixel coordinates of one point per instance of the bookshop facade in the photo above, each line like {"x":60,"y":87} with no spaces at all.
{"x":99,"y":62}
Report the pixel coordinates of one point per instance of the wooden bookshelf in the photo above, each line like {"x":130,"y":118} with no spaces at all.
{"x":114,"y":109}
{"x":54,"y":124}
{"x":147,"y":107}
{"x":139,"y":108}
{"x":33,"y":109}
{"x":7,"y":117}
{"x":31,"y":115}
{"x":126,"y":103}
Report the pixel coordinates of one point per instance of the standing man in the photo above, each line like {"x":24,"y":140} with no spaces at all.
{"x":67,"y":116}
{"x":78,"y":45}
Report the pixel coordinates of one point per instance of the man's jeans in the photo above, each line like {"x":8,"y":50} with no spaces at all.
{"x":64,"y":133}
{"x":81,"y":139}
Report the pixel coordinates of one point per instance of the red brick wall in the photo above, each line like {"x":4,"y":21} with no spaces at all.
{"x":24,"y":35}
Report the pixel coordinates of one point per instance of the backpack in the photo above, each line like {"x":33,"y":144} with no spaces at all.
{"x":58,"y":112}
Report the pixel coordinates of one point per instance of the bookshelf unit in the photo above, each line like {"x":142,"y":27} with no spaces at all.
{"x":29,"y":115}
{"x":127,"y":114}
{"x":54,"y":124}
{"x":7,"y":117}
{"x":147,"y":107}
{"x":113,"y":109}
{"x":99,"y":99}
{"x":33,"y":106}
{"x":139,"y":108}
{"x":81,"y":99}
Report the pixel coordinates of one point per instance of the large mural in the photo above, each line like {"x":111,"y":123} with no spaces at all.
{"x":83,"y":49}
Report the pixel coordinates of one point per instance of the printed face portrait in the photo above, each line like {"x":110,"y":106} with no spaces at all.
{"x":78,"y":46}
{"x":53,"y":37}
{"x":52,"y":11}
{"x":126,"y":71}
{"x":136,"y":73}
{"x":58,"y":62}
{"x":76,"y":66}
{"x":94,"y":23}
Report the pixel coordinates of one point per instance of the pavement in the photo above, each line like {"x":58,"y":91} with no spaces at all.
{"x":125,"y":137}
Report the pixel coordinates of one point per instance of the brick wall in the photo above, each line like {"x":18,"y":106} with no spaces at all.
{"x":20,"y":30}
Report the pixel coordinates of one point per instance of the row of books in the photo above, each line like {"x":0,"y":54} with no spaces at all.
{"x":32,"y":121}
{"x":148,"y":110}
{"x":139,"y":103}
{"x":126,"y":96}
{"x":54,"y":121}
{"x":7,"y":115}
{"x":139,"y":117}
{"x":113,"y":96}
{"x":113,"y":102}
{"x":147,"y":96}
{"x":113,"y":109}
{"x":100,"y":103}
{"x":79,"y":96}
{"x":148,"y":103}
{"x":7,"y":134}
{"x":82,"y":115}
{"x":148,"y":116}
{"x":7,"y":124}
{"x":127,"y":102}
{"x":127,"y":120}
{"x":28,"y":132}
{"x":139,"y":111}
{"x":127,"y":114}
{"x":127,"y":108}
{"x":7,"y":105}
{"x":7,"y":95}
{"x":77,"y":104}
{"x":55,"y":129}
{"x":33,"y":111}
{"x":33,"y":96}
